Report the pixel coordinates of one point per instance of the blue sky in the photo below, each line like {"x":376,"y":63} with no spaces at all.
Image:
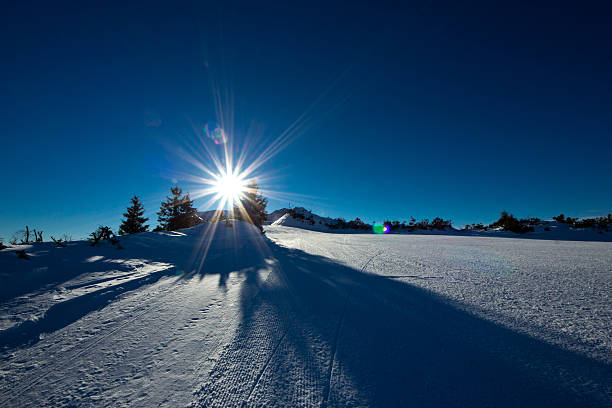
{"x":418,"y":111}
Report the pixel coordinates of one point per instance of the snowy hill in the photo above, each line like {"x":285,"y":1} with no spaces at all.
{"x":302,"y":218}
{"x":220,"y":316}
{"x":275,"y":215}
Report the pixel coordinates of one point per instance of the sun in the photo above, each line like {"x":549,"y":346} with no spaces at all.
{"x":229,"y":186}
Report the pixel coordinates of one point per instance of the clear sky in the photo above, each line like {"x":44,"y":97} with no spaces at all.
{"x":415,"y":111}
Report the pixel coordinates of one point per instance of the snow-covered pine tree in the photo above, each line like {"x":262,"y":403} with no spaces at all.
{"x":254,"y":204}
{"x":177,"y":211}
{"x":134,"y":221}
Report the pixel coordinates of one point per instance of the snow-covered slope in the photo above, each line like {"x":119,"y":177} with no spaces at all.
{"x":275,"y":215}
{"x":288,"y":221}
{"x":294,"y":318}
{"x":300,"y":217}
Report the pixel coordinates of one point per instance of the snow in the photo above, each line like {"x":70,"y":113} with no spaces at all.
{"x":310,"y":221}
{"x":225,"y":316}
{"x":275,"y":215}
{"x":288,"y":221}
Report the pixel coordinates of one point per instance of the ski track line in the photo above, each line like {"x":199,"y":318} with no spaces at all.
{"x":82,"y":351}
{"x":327,"y":389}
{"x":280,"y":274}
{"x":262,"y":370}
{"x":196,"y":371}
{"x":224,"y":342}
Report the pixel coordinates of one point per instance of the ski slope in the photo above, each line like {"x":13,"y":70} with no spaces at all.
{"x":230,"y":318}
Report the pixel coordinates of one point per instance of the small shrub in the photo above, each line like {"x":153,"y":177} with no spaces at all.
{"x":507,"y":222}
{"x":102,"y":233}
{"x":422,"y":225}
{"x":59,"y":241}
{"x":19,"y":237}
{"x":560,"y":218}
{"x":571,"y":221}
{"x":477,"y":227}
{"x":38,"y":237}
{"x":440,"y":224}
{"x":23,"y":236}
{"x":357,"y":224}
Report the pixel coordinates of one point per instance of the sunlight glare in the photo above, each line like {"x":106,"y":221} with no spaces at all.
{"x":230,"y":186}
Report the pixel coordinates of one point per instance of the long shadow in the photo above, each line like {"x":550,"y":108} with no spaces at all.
{"x":238,"y":250}
{"x":366,"y":340}
{"x":43,"y":272}
{"x":64,"y":313}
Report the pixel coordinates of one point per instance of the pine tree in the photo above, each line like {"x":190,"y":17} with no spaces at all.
{"x":134,"y":221}
{"x":254,"y":205}
{"x":177,"y":211}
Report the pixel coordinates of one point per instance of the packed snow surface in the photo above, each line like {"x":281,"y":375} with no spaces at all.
{"x":223,"y":316}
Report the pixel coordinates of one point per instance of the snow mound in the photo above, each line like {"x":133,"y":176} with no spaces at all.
{"x":304,"y":219}
{"x":275,"y":215}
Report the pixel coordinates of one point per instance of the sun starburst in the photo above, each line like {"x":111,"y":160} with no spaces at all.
{"x":229,"y":186}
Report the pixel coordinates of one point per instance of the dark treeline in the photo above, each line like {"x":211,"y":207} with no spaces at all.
{"x":508,"y":222}
{"x":598,"y":222}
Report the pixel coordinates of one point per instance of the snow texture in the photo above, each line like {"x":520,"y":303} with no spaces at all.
{"x":224,"y":317}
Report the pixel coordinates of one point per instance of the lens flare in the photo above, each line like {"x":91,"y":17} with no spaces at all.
{"x":214,"y":132}
{"x":381,"y":229}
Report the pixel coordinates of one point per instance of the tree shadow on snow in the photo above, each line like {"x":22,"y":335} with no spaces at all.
{"x":187,"y":254}
{"x":317,"y":332}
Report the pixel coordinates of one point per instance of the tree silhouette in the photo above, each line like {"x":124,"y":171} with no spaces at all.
{"x":177,"y":211}
{"x":134,"y":221}
{"x":252,"y":206}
